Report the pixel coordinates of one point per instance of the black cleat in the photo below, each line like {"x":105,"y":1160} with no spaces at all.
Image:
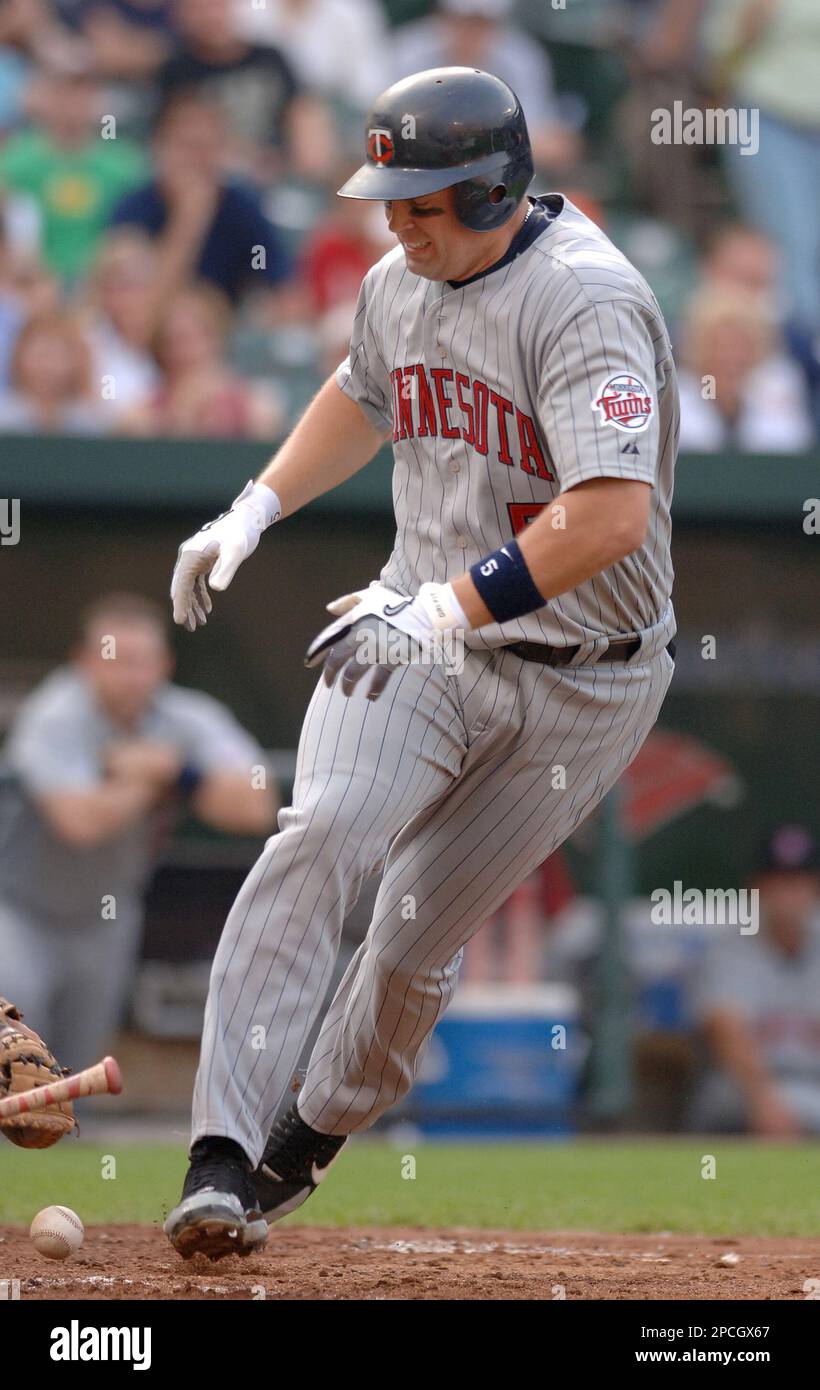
{"x":295,"y":1161}
{"x":219,"y":1212}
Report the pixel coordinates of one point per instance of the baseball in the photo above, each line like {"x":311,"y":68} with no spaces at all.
{"x":56,"y":1232}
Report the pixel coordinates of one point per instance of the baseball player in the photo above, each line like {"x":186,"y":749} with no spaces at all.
{"x":483,"y":694}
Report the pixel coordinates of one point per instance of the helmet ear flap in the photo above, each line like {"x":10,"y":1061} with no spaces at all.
{"x":476,"y":208}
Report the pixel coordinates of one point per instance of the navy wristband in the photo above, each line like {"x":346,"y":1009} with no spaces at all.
{"x":505,"y":584}
{"x":189,"y":779}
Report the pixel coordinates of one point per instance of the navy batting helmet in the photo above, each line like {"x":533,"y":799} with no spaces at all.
{"x":448,"y":127}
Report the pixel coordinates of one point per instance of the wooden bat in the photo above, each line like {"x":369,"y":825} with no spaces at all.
{"x":104,"y":1076}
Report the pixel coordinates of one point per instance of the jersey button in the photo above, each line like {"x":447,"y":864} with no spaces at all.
{"x":461,"y":542}
{"x":455,"y":467}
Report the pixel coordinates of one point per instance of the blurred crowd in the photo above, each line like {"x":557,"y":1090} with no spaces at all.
{"x":173,"y":260}
{"x":724,"y":1023}
{"x":103,"y":758}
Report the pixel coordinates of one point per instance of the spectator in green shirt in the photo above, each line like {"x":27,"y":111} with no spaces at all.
{"x":69,"y":169}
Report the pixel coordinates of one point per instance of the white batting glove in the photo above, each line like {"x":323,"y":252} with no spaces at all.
{"x":434,"y":610}
{"x":218,"y":550}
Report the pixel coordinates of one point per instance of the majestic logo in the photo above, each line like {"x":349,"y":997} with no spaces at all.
{"x":624,"y":401}
{"x":380,"y":146}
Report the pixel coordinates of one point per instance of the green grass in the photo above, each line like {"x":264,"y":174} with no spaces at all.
{"x":592,"y":1185}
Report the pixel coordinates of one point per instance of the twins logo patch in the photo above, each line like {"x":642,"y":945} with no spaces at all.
{"x":623,"y":401}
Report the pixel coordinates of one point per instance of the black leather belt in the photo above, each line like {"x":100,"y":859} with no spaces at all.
{"x":562,"y":656}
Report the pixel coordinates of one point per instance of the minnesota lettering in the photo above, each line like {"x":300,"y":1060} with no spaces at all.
{"x":450,"y":405}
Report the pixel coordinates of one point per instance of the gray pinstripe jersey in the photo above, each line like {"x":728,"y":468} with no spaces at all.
{"x":503,"y":392}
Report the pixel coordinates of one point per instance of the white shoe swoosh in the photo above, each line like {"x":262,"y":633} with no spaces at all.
{"x":318,"y":1174}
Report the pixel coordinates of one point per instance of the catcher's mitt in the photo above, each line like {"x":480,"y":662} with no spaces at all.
{"x":25,"y":1062}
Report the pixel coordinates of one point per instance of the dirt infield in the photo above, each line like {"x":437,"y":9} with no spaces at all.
{"x":119,"y":1262}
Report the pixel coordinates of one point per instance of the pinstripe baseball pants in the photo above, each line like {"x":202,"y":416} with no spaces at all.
{"x":459,"y":786}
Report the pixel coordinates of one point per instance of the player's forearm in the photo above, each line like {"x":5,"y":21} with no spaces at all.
{"x":331,"y":442}
{"x":584,"y":531}
{"x":736,"y":1049}
{"x":179,"y":245}
{"x":311,"y":138}
{"x":85,"y":819}
{"x":123,"y":50}
{"x":231,"y":802}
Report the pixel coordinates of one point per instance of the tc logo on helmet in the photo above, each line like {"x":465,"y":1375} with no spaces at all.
{"x":380,"y":146}
{"x":623,"y":401}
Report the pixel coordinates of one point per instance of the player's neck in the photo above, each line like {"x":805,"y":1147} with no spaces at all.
{"x":495,"y":247}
